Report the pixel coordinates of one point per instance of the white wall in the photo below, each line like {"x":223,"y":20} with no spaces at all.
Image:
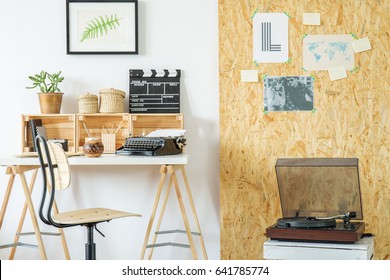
{"x":179,"y":34}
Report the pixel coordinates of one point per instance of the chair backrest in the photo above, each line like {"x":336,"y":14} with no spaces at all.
{"x":56,"y":175}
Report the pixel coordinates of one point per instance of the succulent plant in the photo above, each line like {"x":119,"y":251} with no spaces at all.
{"x":46,"y":82}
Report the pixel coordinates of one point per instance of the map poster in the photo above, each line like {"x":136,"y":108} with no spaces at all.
{"x":322,"y":52}
{"x":270,"y":38}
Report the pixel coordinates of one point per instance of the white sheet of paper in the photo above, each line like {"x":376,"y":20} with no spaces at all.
{"x":311,"y":19}
{"x":361,"y":45}
{"x":166,"y":133}
{"x":270,"y":38}
{"x":337,"y":73}
{"x":249,"y":76}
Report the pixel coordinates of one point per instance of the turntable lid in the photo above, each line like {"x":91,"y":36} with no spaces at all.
{"x":319,"y":187}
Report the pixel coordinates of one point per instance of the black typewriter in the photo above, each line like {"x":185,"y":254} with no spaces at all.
{"x":152,"y":146}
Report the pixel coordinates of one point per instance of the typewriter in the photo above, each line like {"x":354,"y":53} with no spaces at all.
{"x":152,"y":146}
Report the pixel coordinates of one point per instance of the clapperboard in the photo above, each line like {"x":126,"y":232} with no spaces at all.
{"x":154,"y":91}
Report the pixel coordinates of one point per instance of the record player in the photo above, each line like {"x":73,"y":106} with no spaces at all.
{"x":320,"y":199}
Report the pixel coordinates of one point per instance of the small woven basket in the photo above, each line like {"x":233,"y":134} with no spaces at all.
{"x":111,"y":100}
{"x":88,"y":103}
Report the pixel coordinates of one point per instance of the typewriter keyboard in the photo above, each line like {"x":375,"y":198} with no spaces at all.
{"x":143,"y":143}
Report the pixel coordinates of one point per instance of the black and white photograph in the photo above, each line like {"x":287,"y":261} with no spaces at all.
{"x":288,"y":93}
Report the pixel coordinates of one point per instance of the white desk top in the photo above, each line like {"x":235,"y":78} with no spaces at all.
{"x":105,"y":159}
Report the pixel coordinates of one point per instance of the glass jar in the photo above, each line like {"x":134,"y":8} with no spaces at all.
{"x":93,"y":147}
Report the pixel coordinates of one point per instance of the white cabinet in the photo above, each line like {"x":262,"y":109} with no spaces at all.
{"x":290,"y":250}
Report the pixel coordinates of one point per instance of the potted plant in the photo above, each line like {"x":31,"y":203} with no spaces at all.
{"x":50,"y":96}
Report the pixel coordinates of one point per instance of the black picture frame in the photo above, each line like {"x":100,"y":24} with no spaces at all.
{"x":102,"y":27}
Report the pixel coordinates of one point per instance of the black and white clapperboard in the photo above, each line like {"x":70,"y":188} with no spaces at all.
{"x":154,"y":91}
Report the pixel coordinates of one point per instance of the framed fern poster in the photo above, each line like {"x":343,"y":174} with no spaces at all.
{"x":102,"y":27}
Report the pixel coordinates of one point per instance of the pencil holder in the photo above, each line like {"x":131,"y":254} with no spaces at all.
{"x":108,"y":140}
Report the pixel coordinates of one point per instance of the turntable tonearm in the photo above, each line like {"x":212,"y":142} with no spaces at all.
{"x":314,"y":194}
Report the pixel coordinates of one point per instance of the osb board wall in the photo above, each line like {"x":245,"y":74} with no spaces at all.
{"x":352,"y":118}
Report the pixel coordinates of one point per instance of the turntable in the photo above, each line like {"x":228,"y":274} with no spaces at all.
{"x":320,"y":198}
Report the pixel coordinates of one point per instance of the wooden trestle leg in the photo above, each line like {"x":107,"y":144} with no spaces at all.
{"x":171,"y":170}
{"x":12,"y":171}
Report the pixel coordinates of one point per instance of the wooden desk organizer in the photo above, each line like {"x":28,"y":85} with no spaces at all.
{"x":111,"y":128}
{"x":58,"y":126}
{"x":109,"y":143}
{"x":121,"y":125}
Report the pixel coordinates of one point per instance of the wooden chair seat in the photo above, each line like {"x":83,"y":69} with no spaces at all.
{"x":91,"y":215}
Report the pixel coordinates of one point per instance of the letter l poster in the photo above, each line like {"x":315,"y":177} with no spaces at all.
{"x":270,"y":38}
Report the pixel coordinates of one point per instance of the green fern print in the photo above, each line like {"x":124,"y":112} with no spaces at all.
{"x":100,"y":26}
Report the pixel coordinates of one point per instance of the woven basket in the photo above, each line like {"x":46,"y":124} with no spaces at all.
{"x":111,"y":100}
{"x":88,"y":103}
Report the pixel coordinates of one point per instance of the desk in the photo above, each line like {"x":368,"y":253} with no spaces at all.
{"x":170,"y":165}
{"x":291,"y":250}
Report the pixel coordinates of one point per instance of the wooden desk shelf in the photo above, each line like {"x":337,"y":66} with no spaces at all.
{"x":143,"y":124}
{"x":98,"y":124}
{"x":71,"y":127}
{"x":58,"y":126}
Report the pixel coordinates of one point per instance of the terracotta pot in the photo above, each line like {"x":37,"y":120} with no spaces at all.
{"x":50,"y":102}
{"x":93,"y":147}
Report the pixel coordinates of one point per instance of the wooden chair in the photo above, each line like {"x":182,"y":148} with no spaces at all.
{"x":56,"y":176}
